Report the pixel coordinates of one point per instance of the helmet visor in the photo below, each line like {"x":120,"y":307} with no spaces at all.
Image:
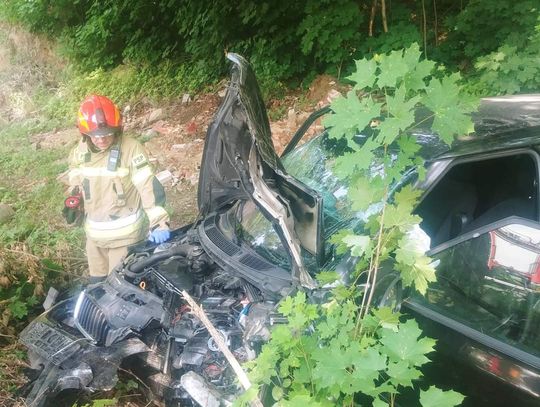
{"x":104,"y":132}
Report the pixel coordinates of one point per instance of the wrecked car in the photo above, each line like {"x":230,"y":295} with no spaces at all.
{"x":138,"y":318}
{"x":262,"y":232}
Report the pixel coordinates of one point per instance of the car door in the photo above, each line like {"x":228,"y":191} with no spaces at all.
{"x":482,"y":217}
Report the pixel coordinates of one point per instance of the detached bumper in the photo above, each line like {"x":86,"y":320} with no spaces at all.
{"x":70,"y":361}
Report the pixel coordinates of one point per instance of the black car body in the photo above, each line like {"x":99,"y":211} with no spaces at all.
{"x":261,"y":234}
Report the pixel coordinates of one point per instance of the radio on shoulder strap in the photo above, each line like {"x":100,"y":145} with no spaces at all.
{"x":114,"y":158}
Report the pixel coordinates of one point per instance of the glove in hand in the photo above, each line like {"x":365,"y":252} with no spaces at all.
{"x":159,"y":235}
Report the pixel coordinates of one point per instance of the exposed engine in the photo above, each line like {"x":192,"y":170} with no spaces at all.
{"x":138,"y":318}
{"x":141,"y":305}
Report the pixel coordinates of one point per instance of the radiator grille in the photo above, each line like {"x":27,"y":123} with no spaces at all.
{"x":92,"y":320}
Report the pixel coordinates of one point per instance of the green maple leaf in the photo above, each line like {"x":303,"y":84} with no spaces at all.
{"x":387,"y":318}
{"x":303,"y":373}
{"x":291,"y":361}
{"x":401,"y":115}
{"x":363,"y":193}
{"x":266,"y":365}
{"x":364,"y":76}
{"x":400,"y":107}
{"x":407,"y":252}
{"x":281,"y":335}
{"x":412,"y":55}
{"x":442,"y":94}
{"x":330,"y":368}
{"x":408,"y":145}
{"x":510,"y":85}
{"x":364,"y":151}
{"x":393,"y":68}
{"x":349,"y":163}
{"x":286,"y":306}
{"x":351,"y":113}
{"x":513,"y":63}
{"x":451,"y":122}
{"x":328,"y":328}
{"x":337,"y":239}
{"x":434,"y":397}
{"x":379,"y":403}
{"x":450,"y":108}
{"x":388,"y":130}
{"x":367,"y":365}
{"x":407,"y":196}
{"x":311,"y":312}
{"x":367,"y":362}
{"x":327,"y":277}
{"x":396,"y":170}
{"x":358,"y":244}
{"x":419,"y":274}
{"x":405,"y":344}
{"x":304,"y":400}
{"x":344,"y":165}
{"x":401,"y":374}
{"x":400,"y":216}
{"x":416,"y":79}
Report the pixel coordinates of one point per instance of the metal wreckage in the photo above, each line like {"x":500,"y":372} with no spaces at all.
{"x":260,"y":236}
{"x":138,"y":320}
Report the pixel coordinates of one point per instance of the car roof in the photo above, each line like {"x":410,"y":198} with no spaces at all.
{"x":501,"y":123}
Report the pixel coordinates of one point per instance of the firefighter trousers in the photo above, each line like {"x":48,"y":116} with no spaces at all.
{"x":102,"y":260}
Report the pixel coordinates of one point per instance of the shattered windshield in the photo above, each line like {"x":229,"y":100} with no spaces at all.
{"x":312,"y":163}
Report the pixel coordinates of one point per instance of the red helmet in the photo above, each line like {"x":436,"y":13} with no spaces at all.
{"x":99,"y":116}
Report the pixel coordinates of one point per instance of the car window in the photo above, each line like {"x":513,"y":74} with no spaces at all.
{"x":312,"y":164}
{"x":491,"y":284}
{"x":473,"y":194}
{"x":257,"y":232}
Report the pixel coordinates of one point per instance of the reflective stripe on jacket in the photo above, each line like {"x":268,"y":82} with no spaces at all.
{"x":115,"y":199}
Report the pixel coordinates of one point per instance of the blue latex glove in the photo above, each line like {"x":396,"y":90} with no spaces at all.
{"x":159,"y":235}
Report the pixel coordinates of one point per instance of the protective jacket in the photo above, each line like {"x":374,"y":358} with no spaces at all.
{"x":119,"y":187}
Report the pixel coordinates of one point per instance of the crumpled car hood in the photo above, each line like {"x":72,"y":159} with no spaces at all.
{"x":240,"y":162}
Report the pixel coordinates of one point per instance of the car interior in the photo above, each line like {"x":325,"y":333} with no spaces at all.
{"x":473,"y":194}
{"x":477,"y":285}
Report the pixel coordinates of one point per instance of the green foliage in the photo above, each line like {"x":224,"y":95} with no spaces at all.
{"x":511,"y":68}
{"x":44,"y":16}
{"x":182,"y":43}
{"x":101,"y":403}
{"x":392,"y":86}
{"x":31,"y":247}
{"x":481,"y":27}
{"x":345,"y":349}
{"x":401,"y":35}
{"x":331,"y":30}
{"x":333,"y":364}
{"x":434,"y":397}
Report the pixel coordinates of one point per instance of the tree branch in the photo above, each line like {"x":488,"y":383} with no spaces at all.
{"x":218,"y":339}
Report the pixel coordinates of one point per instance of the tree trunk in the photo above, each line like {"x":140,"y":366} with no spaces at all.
{"x":435,"y":23}
{"x":424,"y":27}
{"x":383,"y":14}
{"x":372,"y":17}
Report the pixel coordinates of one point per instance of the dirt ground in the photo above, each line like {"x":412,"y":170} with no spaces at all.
{"x":174,"y":137}
{"x":173,"y":134}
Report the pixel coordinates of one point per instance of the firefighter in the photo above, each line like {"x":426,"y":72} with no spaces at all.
{"x":123,"y":200}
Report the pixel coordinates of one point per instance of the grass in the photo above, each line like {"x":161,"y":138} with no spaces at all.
{"x":37,"y":249}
